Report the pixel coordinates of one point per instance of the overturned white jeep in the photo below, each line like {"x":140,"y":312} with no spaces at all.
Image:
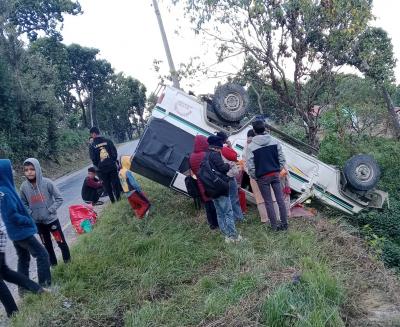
{"x":162,"y":154}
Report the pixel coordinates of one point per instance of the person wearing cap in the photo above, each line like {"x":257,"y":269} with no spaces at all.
{"x":229,"y":155}
{"x":222,"y":203}
{"x":266,"y":164}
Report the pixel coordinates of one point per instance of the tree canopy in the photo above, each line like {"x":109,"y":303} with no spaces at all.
{"x":297,"y":45}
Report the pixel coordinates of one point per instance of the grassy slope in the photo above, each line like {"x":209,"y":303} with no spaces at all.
{"x":173,"y":271}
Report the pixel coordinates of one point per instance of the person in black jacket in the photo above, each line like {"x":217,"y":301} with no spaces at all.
{"x":104,"y":156}
{"x":222,"y":204}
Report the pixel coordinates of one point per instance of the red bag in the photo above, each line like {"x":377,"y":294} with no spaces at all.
{"x":80,"y":212}
{"x":242,"y":200}
{"x":139,"y":203}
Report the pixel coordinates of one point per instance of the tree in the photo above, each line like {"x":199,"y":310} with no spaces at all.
{"x":121,"y":107}
{"x":308,"y":37}
{"x":373,"y":55}
{"x":263,"y":99}
{"x":89,"y":75}
{"x":356,"y":108}
{"x":56,"y":54}
{"x":33,"y":16}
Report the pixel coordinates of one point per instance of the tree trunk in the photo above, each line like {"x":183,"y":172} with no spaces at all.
{"x":84,"y":119}
{"x":258,"y":99}
{"x":392,"y":112}
{"x":312,"y":132}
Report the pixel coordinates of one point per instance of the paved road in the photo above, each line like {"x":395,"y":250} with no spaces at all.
{"x":70,"y":187}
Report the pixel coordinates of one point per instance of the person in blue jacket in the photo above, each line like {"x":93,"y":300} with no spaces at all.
{"x":21,"y":228}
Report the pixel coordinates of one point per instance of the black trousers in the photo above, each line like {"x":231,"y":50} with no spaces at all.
{"x":211,"y":214}
{"x":8,"y":275}
{"x":45,"y":231}
{"x":111,"y":184}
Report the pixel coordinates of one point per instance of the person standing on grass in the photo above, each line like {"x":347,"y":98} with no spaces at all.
{"x":199,"y":152}
{"x":103,"y":154}
{"x":10,"y":276}
{"x":266,"y":164}
{"x":21,"y":228}
{"x":222,"y":203}
{"x":230,"y":155}
{"x":42,"y":198}
{"x":262,"y":210}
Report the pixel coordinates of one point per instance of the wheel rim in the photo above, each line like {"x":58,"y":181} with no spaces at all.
{"x":233,"y":102}
{"x":364,"y":173}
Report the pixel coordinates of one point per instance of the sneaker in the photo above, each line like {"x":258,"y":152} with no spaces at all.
{"x":229,"y":239}
{"x":239,"y":238}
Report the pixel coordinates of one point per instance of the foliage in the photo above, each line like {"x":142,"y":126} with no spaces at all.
{"x":384,"y":224}
{"x":49,"y":91}
{"x":374,"y":57}
{"x":311,"y":37}
{"x":33,"y":16}
{"x":356,"y":107}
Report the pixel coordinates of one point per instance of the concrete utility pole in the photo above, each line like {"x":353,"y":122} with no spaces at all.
{"x":174,"y":75}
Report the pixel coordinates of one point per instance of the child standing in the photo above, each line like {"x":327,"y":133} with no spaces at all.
{"x":21,"y":228}
{"x":137,"y":199}
{"x":8,"y":275}
{"x":42,"y":199}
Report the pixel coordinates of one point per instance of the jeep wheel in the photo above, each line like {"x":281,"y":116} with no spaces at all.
{"x":362,"y":172}
{"x":230,"y":102}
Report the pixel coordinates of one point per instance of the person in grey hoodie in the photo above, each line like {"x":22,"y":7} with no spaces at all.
{"x":265,"y":162}
{"x":42,"y":198}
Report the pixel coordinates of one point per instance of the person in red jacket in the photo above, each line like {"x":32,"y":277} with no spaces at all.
{"x":195,"y":159}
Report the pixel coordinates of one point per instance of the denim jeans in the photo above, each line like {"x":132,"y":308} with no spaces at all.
{"x":265,"y":183}
{"x":234,"y":197}
{"x":31,"y":246}
{"x":225,"y":217}
{"x":211,"y":214}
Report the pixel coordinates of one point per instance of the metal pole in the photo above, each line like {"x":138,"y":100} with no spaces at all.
{"x":174,"y":75}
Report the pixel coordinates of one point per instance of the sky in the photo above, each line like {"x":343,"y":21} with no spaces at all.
{"x":127,"y":34}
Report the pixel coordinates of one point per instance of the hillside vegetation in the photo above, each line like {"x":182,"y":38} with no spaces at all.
{"x":171,"y":270}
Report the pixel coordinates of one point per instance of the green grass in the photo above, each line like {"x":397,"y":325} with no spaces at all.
{"x":171,"y":270}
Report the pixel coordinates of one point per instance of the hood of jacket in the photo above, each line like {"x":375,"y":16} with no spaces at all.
{"x":18,"y":223}
{"x":38,"y":170}
{"x":263,"y":140}
{"x":43,"y":199}
{"x":126,"y":162}
{"x":200,"y":144}
{"x":6,"y":175}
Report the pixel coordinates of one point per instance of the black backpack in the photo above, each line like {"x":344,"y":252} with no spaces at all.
{"x":215,"y":183}
{"x":193,"y":191}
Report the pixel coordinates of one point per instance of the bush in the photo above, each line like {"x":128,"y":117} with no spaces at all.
{"x":72,"y":139}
